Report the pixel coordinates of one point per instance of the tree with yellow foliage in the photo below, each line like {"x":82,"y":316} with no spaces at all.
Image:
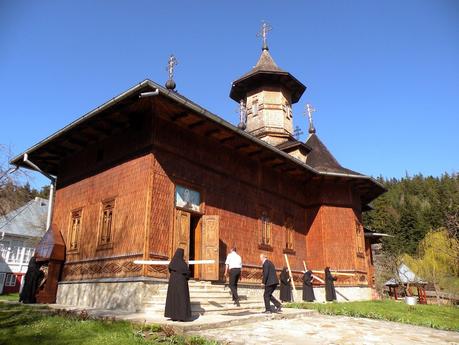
{"x":437,"y":260}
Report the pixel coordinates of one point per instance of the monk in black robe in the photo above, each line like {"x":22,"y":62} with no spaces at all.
{"x":32,"y":281}
{"x":308,"y":291}
{"x":178,"y":305}
{"x":330,"y":293}
{"x":285,"y":287}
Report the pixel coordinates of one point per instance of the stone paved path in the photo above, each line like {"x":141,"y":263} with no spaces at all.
{"x":322,"y":329}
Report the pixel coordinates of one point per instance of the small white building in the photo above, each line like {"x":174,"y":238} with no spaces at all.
{"x":20,"y":231}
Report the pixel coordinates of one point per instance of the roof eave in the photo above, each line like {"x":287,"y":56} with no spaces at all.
{"x":235,"y":94}
{"x":198,"y":109}
{"x":18,"y":160}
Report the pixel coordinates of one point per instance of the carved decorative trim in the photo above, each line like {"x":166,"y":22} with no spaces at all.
{"x":91,"y":269}
{"x":100,"y":258}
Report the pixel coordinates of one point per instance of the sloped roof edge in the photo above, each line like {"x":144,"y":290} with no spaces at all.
{"x":17,"y":160}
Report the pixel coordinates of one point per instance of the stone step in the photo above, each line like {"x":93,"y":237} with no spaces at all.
{"x":203,"y":309}
{"x":203,"y":297}
{"x":202,"y":293}
{"x":198,"y":291}
{"x":210,"y":302}
{"x":201,"y":288}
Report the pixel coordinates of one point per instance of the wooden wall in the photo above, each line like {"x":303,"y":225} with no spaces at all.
{"x":237,"y":189}
{"x":140,"y":169}
{"x":123,"y":172}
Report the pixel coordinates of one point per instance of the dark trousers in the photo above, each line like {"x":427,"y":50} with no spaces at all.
{"x":234,"y":275}
{"x":268,"y":296}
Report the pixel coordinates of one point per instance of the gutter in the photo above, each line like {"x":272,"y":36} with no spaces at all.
{"x":52,"y":187}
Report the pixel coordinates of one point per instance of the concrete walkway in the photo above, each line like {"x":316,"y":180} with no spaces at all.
{"x":323,"y":329}
{"x":291,"y":327}
{"x":198,"y":323}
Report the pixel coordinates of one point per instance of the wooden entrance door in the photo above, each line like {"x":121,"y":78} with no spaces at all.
{"x":182,"y":232}
{"x":210,"y":247}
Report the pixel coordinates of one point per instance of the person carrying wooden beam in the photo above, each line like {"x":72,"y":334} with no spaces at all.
{"x":270,"y":282}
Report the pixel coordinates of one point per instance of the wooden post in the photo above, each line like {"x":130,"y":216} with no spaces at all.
{"x":291,"y":276}
{"x":313,"y":275}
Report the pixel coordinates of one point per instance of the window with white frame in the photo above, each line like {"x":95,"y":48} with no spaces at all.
{"x":28,"y":252}
{"x":4,"y":249}
{"x":15,"y":252}
{"x":10,"y":280}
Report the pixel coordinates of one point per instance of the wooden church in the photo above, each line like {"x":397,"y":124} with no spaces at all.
{"x":150,"y":171}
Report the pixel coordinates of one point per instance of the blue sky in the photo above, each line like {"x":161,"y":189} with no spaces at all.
{"x":383,"y":75}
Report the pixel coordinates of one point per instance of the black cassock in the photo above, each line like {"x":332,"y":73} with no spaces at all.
{"x":330,"y":293}
{"x":178,"y":306}
{"x":285,"y":287}
{"x":32,"y":280}
{"x":308,"y":291}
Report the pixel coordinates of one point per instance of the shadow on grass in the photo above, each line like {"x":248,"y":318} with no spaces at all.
{"x":434,"y":316}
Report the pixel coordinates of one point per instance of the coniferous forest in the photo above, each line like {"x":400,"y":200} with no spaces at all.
{"x":422,"y":216}
{"x":411,"y":207}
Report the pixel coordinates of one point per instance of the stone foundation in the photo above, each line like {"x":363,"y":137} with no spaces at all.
{"x":130,"y":294}
{"x":343,"y":294}
{"x":111,"y":293}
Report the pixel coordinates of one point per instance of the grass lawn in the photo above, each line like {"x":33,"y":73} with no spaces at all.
{"x":435,"y":316}
{"x":10,"y":297}
{"x":24,"y":325}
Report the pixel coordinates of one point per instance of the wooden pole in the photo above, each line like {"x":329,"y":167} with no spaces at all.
{"x":336,"y":273}
{"x":313,"y":275}
{"x":290,"y":274}
{"x":166,"y":262}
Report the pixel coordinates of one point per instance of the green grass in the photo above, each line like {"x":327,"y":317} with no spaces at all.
{"x":24,"y":325}
{"x":435,"y":316}
{"x":10,"y":297}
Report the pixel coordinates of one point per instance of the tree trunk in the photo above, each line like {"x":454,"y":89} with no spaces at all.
{"x":437,"y":292}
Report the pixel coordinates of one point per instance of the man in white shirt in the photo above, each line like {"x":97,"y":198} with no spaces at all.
{"x":233,"y":265}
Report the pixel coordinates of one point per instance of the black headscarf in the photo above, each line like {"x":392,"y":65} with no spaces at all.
{"x":178,"y":263}
{"x":284,"y":274}
{"x":308,"y":277}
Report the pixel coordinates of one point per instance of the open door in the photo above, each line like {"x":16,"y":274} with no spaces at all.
{"x":182,"y":232}
{"x":210,"y":247}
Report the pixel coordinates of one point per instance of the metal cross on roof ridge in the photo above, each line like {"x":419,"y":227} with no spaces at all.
{"x":171,"y":63}
{"x":309,"y":111}
{"x":263,"y":33}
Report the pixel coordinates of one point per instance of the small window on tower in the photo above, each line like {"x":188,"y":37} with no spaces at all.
{"x":106,"y":223}
{"x":288,"y":111}
{"x":75,"y":228}
{"x":254,"y":107}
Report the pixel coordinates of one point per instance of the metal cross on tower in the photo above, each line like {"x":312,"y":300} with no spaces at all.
{"x":297,"y":132}
{"x":263,"y":33}
{"x":242,"y":110}
{"x":308,"y":112}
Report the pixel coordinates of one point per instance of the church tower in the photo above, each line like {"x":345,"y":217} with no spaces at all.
{"x":267,"y":94}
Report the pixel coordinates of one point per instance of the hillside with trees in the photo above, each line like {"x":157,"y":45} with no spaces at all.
{"x":416,"y":210}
